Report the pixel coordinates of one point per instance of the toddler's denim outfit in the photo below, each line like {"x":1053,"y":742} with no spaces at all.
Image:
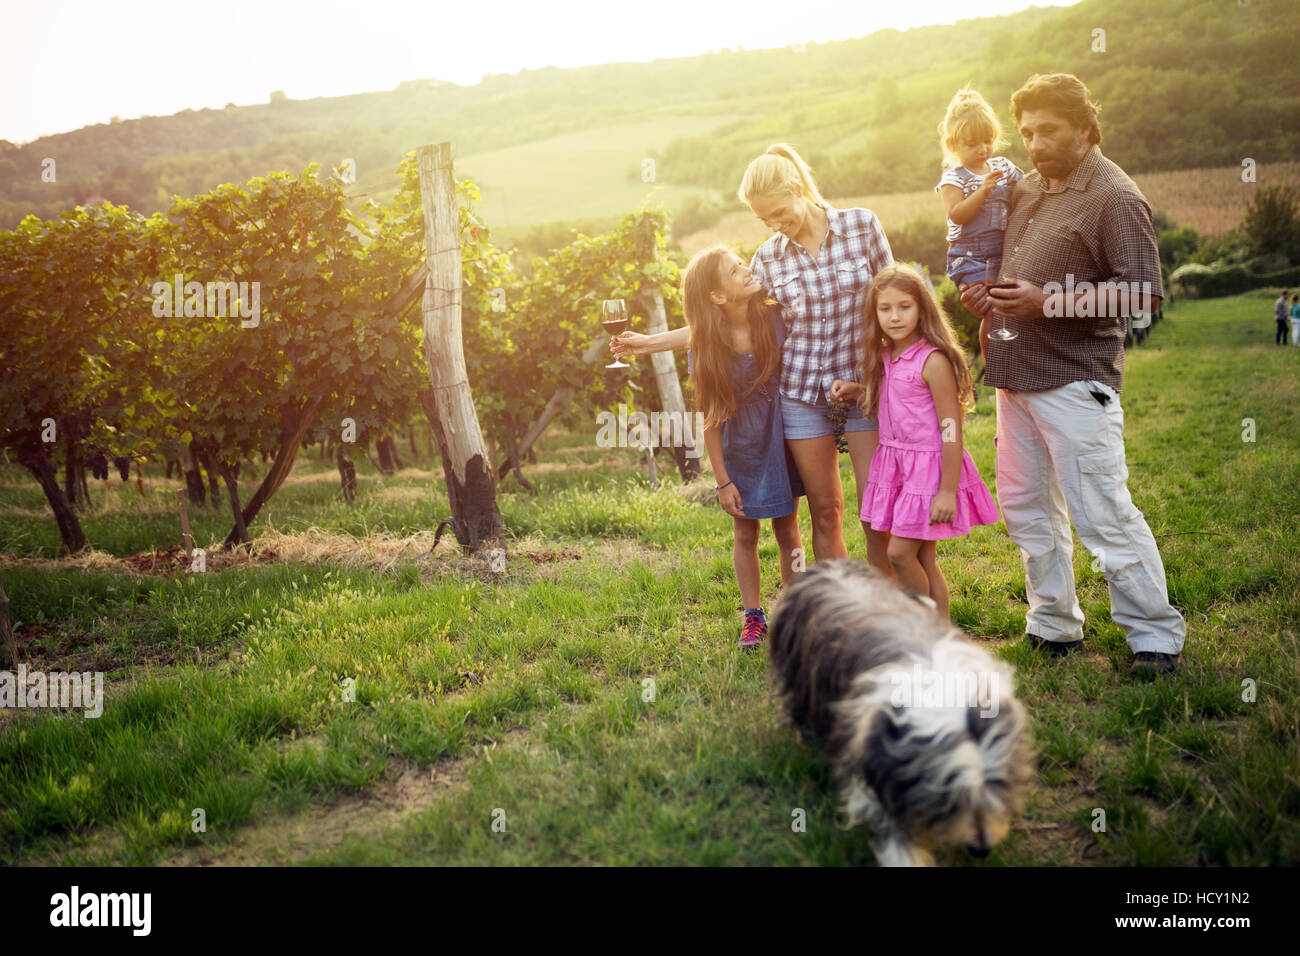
{"x":977,"y":244}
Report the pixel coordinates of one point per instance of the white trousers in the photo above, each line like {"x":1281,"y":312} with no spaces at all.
{"x":1058,"y":449}
{"x":1295,"y":331}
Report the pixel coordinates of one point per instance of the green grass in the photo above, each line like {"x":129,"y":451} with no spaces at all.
{"x":596,"y":174}
{"x":582,"y":175}
{"x":528,"y":693}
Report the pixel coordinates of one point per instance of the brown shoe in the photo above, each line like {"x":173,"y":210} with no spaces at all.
{"x":1056,"y":647}
{"x":1154,"y":663}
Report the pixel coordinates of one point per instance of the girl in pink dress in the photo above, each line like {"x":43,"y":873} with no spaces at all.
{"x":915,"y":382}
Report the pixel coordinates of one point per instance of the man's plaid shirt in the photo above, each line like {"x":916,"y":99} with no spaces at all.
{"x":822,"y":299}
{"x":1093,"y":226}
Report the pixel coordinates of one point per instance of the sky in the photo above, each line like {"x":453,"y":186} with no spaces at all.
{"x":74,"y":63}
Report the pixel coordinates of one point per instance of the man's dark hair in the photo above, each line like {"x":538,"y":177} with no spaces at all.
{"x":1062,"y":93}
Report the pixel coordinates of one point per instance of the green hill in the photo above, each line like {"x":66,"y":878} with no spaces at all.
{"x":1182,"y":84}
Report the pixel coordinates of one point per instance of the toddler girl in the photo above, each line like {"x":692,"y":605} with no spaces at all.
{"x":975,"y":189}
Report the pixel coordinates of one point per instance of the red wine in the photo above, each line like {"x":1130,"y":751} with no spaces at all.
{"x":615,"y":326}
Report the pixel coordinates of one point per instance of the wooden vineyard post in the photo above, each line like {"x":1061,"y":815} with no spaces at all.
{"x":187,"y":539}
{"x":665,"y":368}
{"x":471,"y":486}
{"x":8,"y":645}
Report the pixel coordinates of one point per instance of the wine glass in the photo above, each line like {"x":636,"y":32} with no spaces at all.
{"x":996,"y":278}
{"x":613,"y":316}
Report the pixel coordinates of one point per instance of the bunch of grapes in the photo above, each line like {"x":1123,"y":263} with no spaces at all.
{"x":839,"y":414}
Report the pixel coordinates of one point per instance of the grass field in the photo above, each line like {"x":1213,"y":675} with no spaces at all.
{"x":584,"y":175}
{"x":508,"y":718}
{"x":1211,"y":201}
{"x":596,"y":173}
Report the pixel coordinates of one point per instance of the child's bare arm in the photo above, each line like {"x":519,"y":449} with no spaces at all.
{"x":729,"y":496}
{"x":939,"y":375}
{"x":634,"y":343}
{"x":962,"y":211}
{"x":844,"y":391}
{"x":713,"y":445}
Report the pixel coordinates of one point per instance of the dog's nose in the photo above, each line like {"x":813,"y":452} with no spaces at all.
{"x":979,"y":851}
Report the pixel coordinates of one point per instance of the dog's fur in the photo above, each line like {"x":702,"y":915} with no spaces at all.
{"x":843,"y":640}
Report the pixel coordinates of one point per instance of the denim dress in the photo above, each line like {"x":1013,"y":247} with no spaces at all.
{"x":977,"y":244}
{"x":753,"y":439}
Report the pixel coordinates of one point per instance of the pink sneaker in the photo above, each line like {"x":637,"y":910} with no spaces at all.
{"x":755,"y":630}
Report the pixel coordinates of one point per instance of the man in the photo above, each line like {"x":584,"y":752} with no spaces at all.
{"x":1280,"y":314}
{"x":1076,"y":221}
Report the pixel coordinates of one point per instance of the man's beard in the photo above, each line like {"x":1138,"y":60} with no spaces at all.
{"x":1059,"y":165}
{"x":1052,"y":167}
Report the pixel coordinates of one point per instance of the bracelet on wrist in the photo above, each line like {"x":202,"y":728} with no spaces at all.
{"x":720,"y":487}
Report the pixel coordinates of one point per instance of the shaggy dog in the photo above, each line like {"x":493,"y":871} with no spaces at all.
{"x":927,"y":742}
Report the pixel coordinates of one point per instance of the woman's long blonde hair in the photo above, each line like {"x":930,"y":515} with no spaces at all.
{"x":971,"y":118}
{"x":935,"y":328}
{"x":711,"y":346}
{"x":777,"y":172}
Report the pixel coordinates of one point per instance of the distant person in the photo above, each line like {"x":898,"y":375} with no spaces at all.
{"x":975,"y":188}
{"x":736,"y":341}
{"x":915,"y":381}
{"x":1076,"y":220}
{"x":817,"y":264}
{"x":1280,"y":313}
{"x":1295,"y":320}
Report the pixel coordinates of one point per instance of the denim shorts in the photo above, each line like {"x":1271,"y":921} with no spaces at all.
{"x":969,"y":261}
{"x":813,"y":421}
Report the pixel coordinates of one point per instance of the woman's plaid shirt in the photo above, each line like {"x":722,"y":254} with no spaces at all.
{"x":822,"y":299}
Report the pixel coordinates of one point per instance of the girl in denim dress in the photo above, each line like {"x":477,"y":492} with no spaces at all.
{"x":975,"y":189}
{"x":736,"y":367}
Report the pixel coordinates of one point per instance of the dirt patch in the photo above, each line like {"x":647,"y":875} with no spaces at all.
{"x":69,"y":646}
{"x":381,"y":552}
{"x":546,"y":557}
{"x":283,"y":839}
{"x":98,"y":647}
{"x":1054,"y":837}
{"x":313,"y":545}
{"x":279,"y":840}
{"x":166,"y":562}
{"x":173,"y":561}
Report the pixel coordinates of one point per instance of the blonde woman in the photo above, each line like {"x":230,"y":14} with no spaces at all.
{"x":817,"y":265}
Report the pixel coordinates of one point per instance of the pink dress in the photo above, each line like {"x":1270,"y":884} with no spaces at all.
{"x":908,"y":465}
